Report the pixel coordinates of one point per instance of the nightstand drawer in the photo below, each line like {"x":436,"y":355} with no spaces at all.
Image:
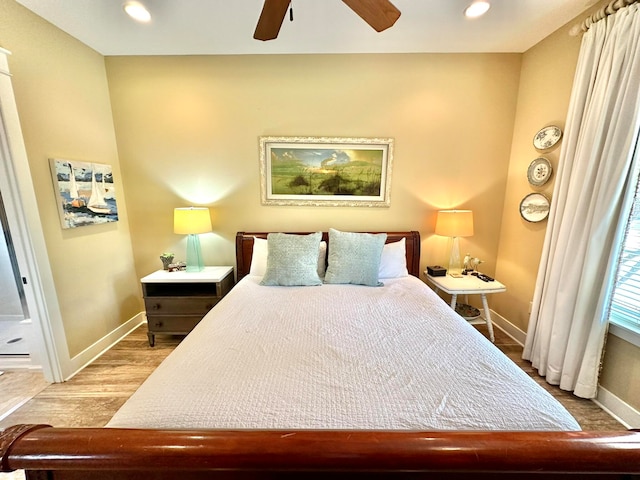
{"x":175,"y":324}
{"x":179,"y":305}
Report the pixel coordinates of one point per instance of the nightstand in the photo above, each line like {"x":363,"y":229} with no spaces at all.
{"x":468,"y":285}
{"x":176,"y":301}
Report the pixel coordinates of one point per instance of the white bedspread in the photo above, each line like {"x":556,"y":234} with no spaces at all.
{"x":339,"y":357}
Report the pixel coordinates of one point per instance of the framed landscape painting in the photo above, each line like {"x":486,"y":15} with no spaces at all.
{"x":85,"y":193}
{"x":325,"y":171}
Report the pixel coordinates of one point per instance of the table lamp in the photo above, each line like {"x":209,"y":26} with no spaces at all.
{"x":192,"y":221}
{"x":454,"y":224}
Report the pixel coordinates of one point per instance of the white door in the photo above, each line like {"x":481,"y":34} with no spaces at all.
{"x":15,"y":323}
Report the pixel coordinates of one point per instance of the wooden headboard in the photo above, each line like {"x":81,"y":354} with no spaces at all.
{"x":244,"y":249}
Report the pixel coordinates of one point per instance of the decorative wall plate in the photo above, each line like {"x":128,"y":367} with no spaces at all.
{"x":539,"y":171}
{"x":534,"y":207}
{"x":547,"y":137}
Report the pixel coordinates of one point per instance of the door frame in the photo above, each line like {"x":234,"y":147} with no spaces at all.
{"x":47,"y":337}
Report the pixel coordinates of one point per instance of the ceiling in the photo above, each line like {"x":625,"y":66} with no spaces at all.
{"x":191,"y":27}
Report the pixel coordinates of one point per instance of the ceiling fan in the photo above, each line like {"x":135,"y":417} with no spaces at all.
{"x":380,"y":14}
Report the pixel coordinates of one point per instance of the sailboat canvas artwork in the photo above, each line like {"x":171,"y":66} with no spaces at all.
{"x":85,"y":192}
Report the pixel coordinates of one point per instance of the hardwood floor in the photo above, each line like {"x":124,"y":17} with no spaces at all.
{"x":589,"y":415}
{"x":17,"y":387}
{"x":91,"y":397}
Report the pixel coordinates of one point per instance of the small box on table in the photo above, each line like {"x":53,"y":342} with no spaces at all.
{"x":437,"y":271}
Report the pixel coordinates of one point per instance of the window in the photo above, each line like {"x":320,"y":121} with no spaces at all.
{"x":625,"y":302}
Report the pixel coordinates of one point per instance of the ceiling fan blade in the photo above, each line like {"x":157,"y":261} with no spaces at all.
{"x":270,"y":21}
{"x":380,"y":14}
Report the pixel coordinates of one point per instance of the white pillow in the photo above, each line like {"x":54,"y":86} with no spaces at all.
{"x":259,"y":257}
{"x":393,"y":263}
{"x":322,"y":259}
{"x":261,"y":250}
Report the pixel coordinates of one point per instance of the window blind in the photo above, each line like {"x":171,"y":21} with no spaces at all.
{"x":625,"y":302}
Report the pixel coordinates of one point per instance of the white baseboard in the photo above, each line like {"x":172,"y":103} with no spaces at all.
{"x":507,"y":327}
{"x":13,"y":362}
{"x":618,"y":409}
{"x":92,"y":352}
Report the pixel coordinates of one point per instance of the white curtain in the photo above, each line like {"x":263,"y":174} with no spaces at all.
{"x":596,"y":178}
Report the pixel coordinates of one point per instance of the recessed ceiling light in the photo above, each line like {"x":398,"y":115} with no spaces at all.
{"x":477,"y":9}
{"x":137,"y":11}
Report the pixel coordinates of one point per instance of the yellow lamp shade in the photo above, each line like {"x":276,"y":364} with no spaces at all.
{"x":191,"y":220}
{"x":454,"y":223}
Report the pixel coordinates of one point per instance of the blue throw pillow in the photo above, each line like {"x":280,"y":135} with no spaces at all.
{"x":354,"y":257}
{"x":292,"y":259}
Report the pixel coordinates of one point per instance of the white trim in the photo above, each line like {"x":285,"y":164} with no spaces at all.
{"x":624,"y":333}
{"x":94,"y":351}
{"x":620,"y":410}
{"x":509,"y":328}
{"x":15,"y":362}
{"x":4,"y":70}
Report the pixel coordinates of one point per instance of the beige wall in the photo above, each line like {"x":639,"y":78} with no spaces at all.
{"x":188,"y":129}
{"x":543,"y":99}
{"x":621,"y":371}
{"x":61,"y":91}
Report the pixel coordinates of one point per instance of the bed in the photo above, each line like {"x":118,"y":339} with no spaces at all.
{"x":331,"y":378}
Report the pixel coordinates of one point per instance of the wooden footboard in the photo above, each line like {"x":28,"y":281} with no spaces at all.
{"x":103,"y":453}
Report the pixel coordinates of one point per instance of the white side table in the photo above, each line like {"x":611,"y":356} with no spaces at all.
{"x":468,"y":285}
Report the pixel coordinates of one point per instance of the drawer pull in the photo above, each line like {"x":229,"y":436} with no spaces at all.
{"x":158,"y":324}
{"x":156,"y":306}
